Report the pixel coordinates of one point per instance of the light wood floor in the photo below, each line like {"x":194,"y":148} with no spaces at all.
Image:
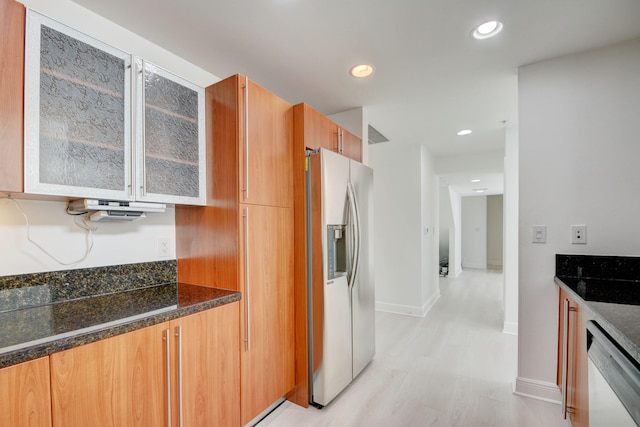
{"x":453,"y":367}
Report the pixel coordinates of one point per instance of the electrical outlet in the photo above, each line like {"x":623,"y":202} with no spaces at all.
{"x":163,"y":247}
{"x":578,"y":234}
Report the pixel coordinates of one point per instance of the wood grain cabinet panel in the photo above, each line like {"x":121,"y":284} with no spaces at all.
{"x":186,"y":369}
{"x":26,"y":400}
{"x":351,"y":146}
{"x":210,"y":367}
{"x":118,"y":381}
{"x":267,"y":320}
{"x":577,"y":379}
{"x":313,"y":130}
{"x":12,"y":15}
{"x":249,"y":212}
{"x":266,"y":157}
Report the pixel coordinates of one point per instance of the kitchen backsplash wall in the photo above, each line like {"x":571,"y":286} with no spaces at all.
{"x":55,"y":231}
{"x":25,"y":290}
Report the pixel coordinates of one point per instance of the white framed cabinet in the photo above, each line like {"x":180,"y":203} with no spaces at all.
{"x":101,"y":124}
{"x":170,"y":137}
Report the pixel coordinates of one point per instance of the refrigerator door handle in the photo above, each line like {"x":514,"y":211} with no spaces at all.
{"x":355,"y":223}
{"x":358,"y":231}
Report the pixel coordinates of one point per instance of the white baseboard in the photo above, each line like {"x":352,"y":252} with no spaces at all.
{"x":510,"y":328}
{"x":409,"y":310}
{"x":475,"y":265}
{"x":547,"y":392}
{"x":428,"y":305}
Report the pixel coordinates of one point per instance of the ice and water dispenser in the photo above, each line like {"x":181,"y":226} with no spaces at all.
{"x":336,"y":250}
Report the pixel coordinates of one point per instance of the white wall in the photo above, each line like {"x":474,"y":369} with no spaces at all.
{"x":430,"y":224}
{"x":495,"y":223}
{"x":404,"y":202}
{"x":446,"y":222}
{"x":490,"y":161}
{"x":579,"y":153}
{"x":55,"y":231}
{"x":455,"y":234}
{"x":94,"y":25}
{"x":474,"y":232}
{"x":51,"y":227}
{"x":510,"y":267}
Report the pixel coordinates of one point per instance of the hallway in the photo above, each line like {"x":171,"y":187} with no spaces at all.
{"x":453,"y":367}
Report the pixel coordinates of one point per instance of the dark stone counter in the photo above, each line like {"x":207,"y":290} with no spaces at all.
{"x":608,"y":288}
{"x":36,"y":322}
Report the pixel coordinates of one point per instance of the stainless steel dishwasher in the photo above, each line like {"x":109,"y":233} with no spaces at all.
{"x":614,"y":382}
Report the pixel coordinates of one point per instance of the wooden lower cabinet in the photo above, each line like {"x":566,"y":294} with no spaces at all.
{"x":26,"y":400}
{"x":267,"y":321}
{"x":134,"y":379}
{"x":576,"y":389}
{"x":211,"y":367}
{"x":119,"y":381}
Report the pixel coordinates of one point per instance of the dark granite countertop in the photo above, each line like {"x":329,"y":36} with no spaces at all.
{"x":621,"y":321}
{"x":31,"y":332}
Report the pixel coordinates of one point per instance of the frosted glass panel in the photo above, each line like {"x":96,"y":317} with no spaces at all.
{"x":171,"y":136}
{"x":82,"y":113}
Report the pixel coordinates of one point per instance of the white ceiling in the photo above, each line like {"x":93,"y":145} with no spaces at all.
{"x":431,"y":77}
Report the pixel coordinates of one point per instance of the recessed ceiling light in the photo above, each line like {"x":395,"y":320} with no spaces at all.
{"x":361,"y":70}
{"x":488,"y":29}
{"x":480,"y":190}
{"x":475,"y":180}
{"x":464,"y":132}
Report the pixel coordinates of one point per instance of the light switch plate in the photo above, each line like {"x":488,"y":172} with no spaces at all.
{"x":539,"y":234}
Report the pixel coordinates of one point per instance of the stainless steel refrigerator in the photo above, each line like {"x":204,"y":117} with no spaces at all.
{"x":340,"y":272}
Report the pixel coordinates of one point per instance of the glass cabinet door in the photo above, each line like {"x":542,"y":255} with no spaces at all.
{"x":170,"y":137}
{"x":78,"y":120}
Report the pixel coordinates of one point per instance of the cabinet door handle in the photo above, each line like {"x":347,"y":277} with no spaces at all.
{"x":143,"y":155}
{"x":247,"y":302}
{"x":565,"y":356}
{"x":133,"y":113}
{"x":341,"y":141}
{"x":166,"y":338}
{"x":179,"y":335}
{"x":246,"y":138}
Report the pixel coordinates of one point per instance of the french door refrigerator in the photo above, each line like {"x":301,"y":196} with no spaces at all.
{"x":340,"y":272}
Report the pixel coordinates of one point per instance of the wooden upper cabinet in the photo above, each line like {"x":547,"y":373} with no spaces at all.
{"x":351,"y":145}
{"x":260,"y":123}
{"x":26,"y":400}
{"x":314,"y":130}
{"x":319,"y":131}
{"x":12,"y":18}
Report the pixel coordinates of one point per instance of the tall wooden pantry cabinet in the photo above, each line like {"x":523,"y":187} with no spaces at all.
{"x":243,"y":238}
